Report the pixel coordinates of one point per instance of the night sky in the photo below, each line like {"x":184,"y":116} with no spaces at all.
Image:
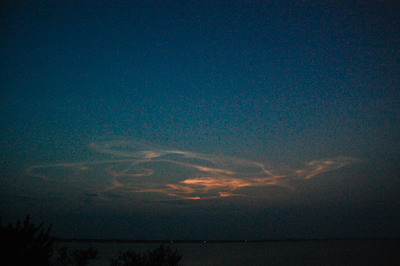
{"x":201,"y":119}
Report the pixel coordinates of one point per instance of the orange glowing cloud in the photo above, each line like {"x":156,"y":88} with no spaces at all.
{"x":174,"y":174}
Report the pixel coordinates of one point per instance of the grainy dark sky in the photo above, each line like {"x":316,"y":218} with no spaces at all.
{"x":201,"y":119}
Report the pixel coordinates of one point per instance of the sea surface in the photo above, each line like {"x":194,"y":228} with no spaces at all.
{"x":310,"y":252}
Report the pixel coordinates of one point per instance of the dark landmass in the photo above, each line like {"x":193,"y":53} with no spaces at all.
{"x":80,"y":240}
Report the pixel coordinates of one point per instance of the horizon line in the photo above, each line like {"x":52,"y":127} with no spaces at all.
{"x":116,"y":240}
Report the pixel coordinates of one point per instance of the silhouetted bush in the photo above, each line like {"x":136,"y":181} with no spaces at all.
{"x":128,"y":258}
{"x":161,"y":256}
{"x":63,"y":257}
{"x":25,"y":245}
{"x":20,"y":245}
{"x":78,"y":257}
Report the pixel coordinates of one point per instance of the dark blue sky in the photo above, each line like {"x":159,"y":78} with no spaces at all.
{"x":282,"y":117}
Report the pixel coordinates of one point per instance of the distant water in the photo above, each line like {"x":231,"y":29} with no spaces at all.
{"x":321,"y":253}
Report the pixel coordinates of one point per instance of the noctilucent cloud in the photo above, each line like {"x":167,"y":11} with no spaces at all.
{"x":201,"y":119}
{"x":137,"y":171}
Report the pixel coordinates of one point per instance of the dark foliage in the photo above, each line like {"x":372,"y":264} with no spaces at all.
{"x":25,"y":244}
{"x":128,"y":258}
{"x":30,"y":245}
{"x":78,"y":257}
{"x":162,"y":256}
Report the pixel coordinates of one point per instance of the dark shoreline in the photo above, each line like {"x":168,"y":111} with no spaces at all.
{"x":79,"y":240}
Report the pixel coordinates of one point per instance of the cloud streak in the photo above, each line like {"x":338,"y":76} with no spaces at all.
{"x":140,"y":171}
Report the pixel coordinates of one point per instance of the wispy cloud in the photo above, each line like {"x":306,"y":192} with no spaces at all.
{"x":136,"y":170}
